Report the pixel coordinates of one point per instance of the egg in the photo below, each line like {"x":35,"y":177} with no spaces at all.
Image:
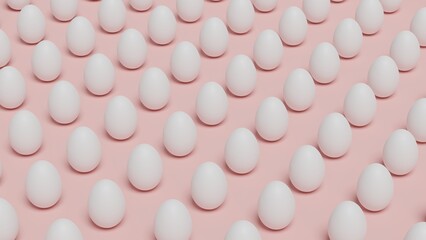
{"x":84,"y":149}
{"x":390,"y":6}
{"x":211,"y":104}
{"x":162,"y":25}
{"x":405,"y":50}
{"x":369,"y":15}
{"x":43,"y":184}
{"x":46,"y":61}
{"x":99,"y":74}
{"x":400,"y":152}
{"x":347,"y":219}
{"x":383,"y":76}
{"x":316,"y":11}
{"x":64,"y":10}
{"x":132,"y":49}
{"x":276,"y":205}
{"x":31,"y":24}
{"x":172,"y":221}
{"x":112,"y":15}
{"x":120,"y":118}
{"x":271,"y":119}
{"x":240,"y":16}
{"x":418,"y":26}
{"x":64,"y":102}
{"x":334,"y":135}
{"x":154,"y":88}
{"x":348,"y":38}
{"x":241,"y":75}
{"x":107,"y":205}
{"x":17,"y":4}
{"x":375,"y":187}
{"x":299,"y":90}
{"x":179,"y":134}
{"x":307,"y":169}
{"x":144,"y":167}
{"x":416,"y":232}
{"x":264,"y":5}
{"x":243,"y":229}
{"x":189,"y":10}
{"x":242,"y":151}
{"x":81,"y":37}
{"x":214,"y":37}
{"x":293,"y":26}
{"x":9,"y":221}
{"x":185,"y":62}
{"x":64,"y":229}
{"x":13,"y":88}
{"x":25,"y":133}
{"x":268,"y":50}
{"x":5,"y":49}
{"x":416,"y":118}
{"x":324,"y":64}
{"x":141,"y":5}
{"x":360,"y":105}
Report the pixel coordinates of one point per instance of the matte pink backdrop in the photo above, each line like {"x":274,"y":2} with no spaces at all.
{"x":312,"y":210}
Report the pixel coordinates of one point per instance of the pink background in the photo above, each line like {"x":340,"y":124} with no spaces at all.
{"x":408,"y":204}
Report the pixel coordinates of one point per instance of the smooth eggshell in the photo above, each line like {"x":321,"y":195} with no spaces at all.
{"x":390,"y":6}
{"x":64,"y":10}
{"x":162,"y":25}
{"x":154,"y":88}
{"x":400,"y":152}
{"x":46,"y":61}
{"x":99,"y":74}
{"x":299,"y":90}
{"x":264,"y":5}
{"x":80,"y":36}
{"x":348,"y":38}
{"x":360,"y":105}
{"x":13,"y":88}
{"x":271,"y":119}
{"x":369,"y":15}
{"x":416,"y":232}
{"x":64,"y":102}
{"x":25,"y":133}
{"x":240,"y":16}
{"x":189,"y":10}
{"x":416,"y":119}
{"x":179,"y":134}
{"x":120,"y":118}
{"x":405,"y":50}
{"x":112,"y":15}
{"x":63,"y":229}
{"x":84,"y":149}
{"x":9,"y":221}
{"x":211,"y":104}
{"x":334,"y":135}
{"x":185,"y":62}
{"x":268,"y":50}
{"x":324,"y":64}
{"x":347,"y":222}
{"x":141,"y":5}
{"x":172,"y":221}
{"x":31,"y":24}
{"x":242,"y":151}
{"x":418,"y":26}
{"x":293,"y":26}
{"x":17,"y":4}
{"x":243,"y":229}
{"x":132,"y":49}
{"x":241,"y":75}
{"x":5,"y":49}
{"x":214,"y":37}
{"x":316,"y":11}
{"x":383,"y":76}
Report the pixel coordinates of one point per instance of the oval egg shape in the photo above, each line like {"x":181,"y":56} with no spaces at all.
{"x":405,"y":50}
{"x":179,"y":134}
{"x":99,"y":74}
{"x":347,"y":219}
{"x":5,"y":49}
{"x":369,"y":15}
{"x":64,"y":10}
{"x":416,"y":118}
{"x":390,"y":6}
{"x":112,"y":15}
{"x":120,"y":118}
{"x":132,"y":49}
{"x":416,"y":232}
{"x":9,"y":221}
{"x":141,"y":5}
{"x":46,"y":61}
{"x":418,"y":26}
{"x":360,"y":105}
{"x":81,"y":37}
{"x":347,"y":38}
{"x":214,"y":37}
{"x":13,"y":88}
{"x":64,"y":102}
{"x":189,"y":10}
{"x":31,"y":24}
{"x":154,"y":88}
{"x":241,"y":75}
{"x":242,"y":151}
{"x":64,"y":229}
{"x":264,"y":5}
{"x":324,"y":64}
{"x":172,"y":221}
{"x":400,"y":152}
{"x":271,"y":119}
{"x":334,"y":135}
{"x":299,"y":90}
{"x":25,"y":133}
{"x":293,"y":26}
{"x":185,"y":62}
{"x":162,"y":25}
{"x":17,"y":4}
{"x":84,"y":150}
{"x":268,"y":50}
{"x":383,"y":76}
{"x":212,"y":103}
{"x":316,"y":11}
{"x":243,"y":229}
{"x":240,"y":16}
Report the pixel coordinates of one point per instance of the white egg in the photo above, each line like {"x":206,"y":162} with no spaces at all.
{"x":293,"y":26}
{"x":405,"y":50}
{"x":316,"y":11}
{"x":214,"y":37}
{"x":25,"y":133}
{"x":13,"y":88}
{"x":383,"y":76}
{"x":63,"y":229}
{"x":243,"y":229}
{"x":5,"y":49}
{"x":416,"y":118}
{"x":375,"y":187}
{"x":46,"y":61}
{"x":162,"y":25}
{"x":185,"y":62}
{"x":242,"y":151}
{"x":172,"y":221}
{"x":211,"y":104}
{"x":400,"y":152}
{"x":416,"y":232}
{"x":276,"y":205}
{"x":369,"y":15}
{"x":154,"y":88}
{"x":360,"y":105}
{"x":347,"y":222}
{"x":144,"y":167}
{"x":141,"y":5}
{"x":241,"y":75}
{"x":107,"y":205}
{"x":81,"y":37}
{"x":121,"y":118}
{"x":43,"y":185}
{"x":31,"y":24}
{"x":84,"y":149}
{"x":348,"y":38}
{"x":209,"y":186}
{"x":189,"y":10}
{"x":390,"y":6}
{"x":240,"y":16}
{"x":268,"y":50}
{"x":324,"y":64}
{"x":179,"y":134}
{"x":17,"y":4}
{"x":418,"y":26}
{"x":9,"y":222}
{"x":334,"y":135}
{"x":299,"y":90}
{"x":64,"y":10}
{"x":112,"y":15}
{"x":99,"y":74}
{"x":64,"y":102}
{"x":132,"y":49}
{"x":271,"y":119}
{"x":307,"y":169}
{"x":264,"y":5}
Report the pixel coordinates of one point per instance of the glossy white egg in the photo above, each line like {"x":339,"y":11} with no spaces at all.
{"x":172,"y":221}
{"x":316,"y":11}
{"x":324,"y":64}
{"x":416,"y":118}
{"x":418,"y":26}
{"x":299,"y":90}
{"x":241,"y":75}
{"x":46,"y":61}
{"x":112,"y":15}
{"x":334,"y":135}
{"x":5,"y":49}
{"x":348,"y":38}
{"x":25,"y":133}
{"x":132,"y":49}
{"x":9,"y":221}
{"x":99,"y":74}
{"x":271,"y":119}
{"x":64,"y":102}
{"x":390,"y":6}
{"x":179,"y":134}
{"x":383,"y":76}
{"x":84,"y":149}
{"x":242,"y":151}
{"x":243,"y":229}
{"x":189,"y":10}
{"x":400,"y":152}
{"x":64,"y":10}
{"x":360,"y":105}
{"x":293,"y":26}
{"x":369,"y":15}
{"x":81,"y":37}
{"x":17,"y":4}
{"x":405,"y":50}
{"x":120,"y":118}
{"x":141,"y":5}
{"x":214,"y":37}
{"x":185,"y":62}
{"x":268,"y":50}
{"x":162,"y":25}
{"x":13,"y":88}
{"x":63,"y":229}
{"x":264,"y":5}
{"x":240,"y":16}
{"x":154,"y":88}
{"x":31,"y":24}
{"x":416,"y":232}
{"x":211,"y":104}
{"x":347,"y":221}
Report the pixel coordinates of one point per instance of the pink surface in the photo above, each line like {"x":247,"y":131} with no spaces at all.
{"x":312,"y":210}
